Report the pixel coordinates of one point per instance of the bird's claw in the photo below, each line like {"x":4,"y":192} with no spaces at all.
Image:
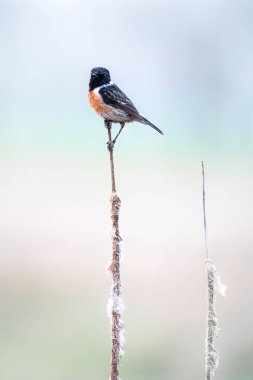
{"x":110,"y":146}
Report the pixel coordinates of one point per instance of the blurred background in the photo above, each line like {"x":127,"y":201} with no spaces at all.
{"x":187,"y":66}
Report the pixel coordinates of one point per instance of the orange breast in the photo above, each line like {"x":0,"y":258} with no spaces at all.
{"x":97,"y":103}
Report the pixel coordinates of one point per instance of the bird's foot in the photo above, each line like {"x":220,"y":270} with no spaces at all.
{"x":110,"y":145}
{"x":107,"y":123}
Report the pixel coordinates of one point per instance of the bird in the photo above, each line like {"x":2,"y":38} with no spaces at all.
{"x":109,"y":102}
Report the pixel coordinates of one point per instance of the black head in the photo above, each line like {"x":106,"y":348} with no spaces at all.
{"x":99,"y":76}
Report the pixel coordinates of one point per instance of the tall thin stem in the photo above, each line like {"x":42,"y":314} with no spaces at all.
{"x":213,"y":284}
{"x":204,"y":207}
{"x":115,"y":307}
{"x":109,"y":126}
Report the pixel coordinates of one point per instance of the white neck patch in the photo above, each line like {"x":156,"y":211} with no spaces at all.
{"x":103,"y":85}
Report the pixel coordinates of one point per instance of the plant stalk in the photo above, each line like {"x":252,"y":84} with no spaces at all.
{"x":115,"y":305}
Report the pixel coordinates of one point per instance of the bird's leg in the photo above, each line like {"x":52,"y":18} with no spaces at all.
{"x":110,"y":144}
{"x":121,"y":127}
{"x":107,"y":123}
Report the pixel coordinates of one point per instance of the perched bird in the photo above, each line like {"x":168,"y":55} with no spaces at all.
{"x":111,"y":103}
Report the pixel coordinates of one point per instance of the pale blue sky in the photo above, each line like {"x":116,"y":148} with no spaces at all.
{"x":186,"y":65}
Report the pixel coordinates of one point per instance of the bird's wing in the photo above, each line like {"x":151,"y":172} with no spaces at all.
{"x":113,"y":96}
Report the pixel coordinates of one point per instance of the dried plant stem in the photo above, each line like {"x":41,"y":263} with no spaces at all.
{"x":204,"y":206}
{"x":115,"y":308}
{"x":213,"y":284}
{"x":212,"y":328}
{"x":108,"y":126}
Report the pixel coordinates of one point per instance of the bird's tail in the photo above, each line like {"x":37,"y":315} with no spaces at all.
{"x":142,"y":120}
